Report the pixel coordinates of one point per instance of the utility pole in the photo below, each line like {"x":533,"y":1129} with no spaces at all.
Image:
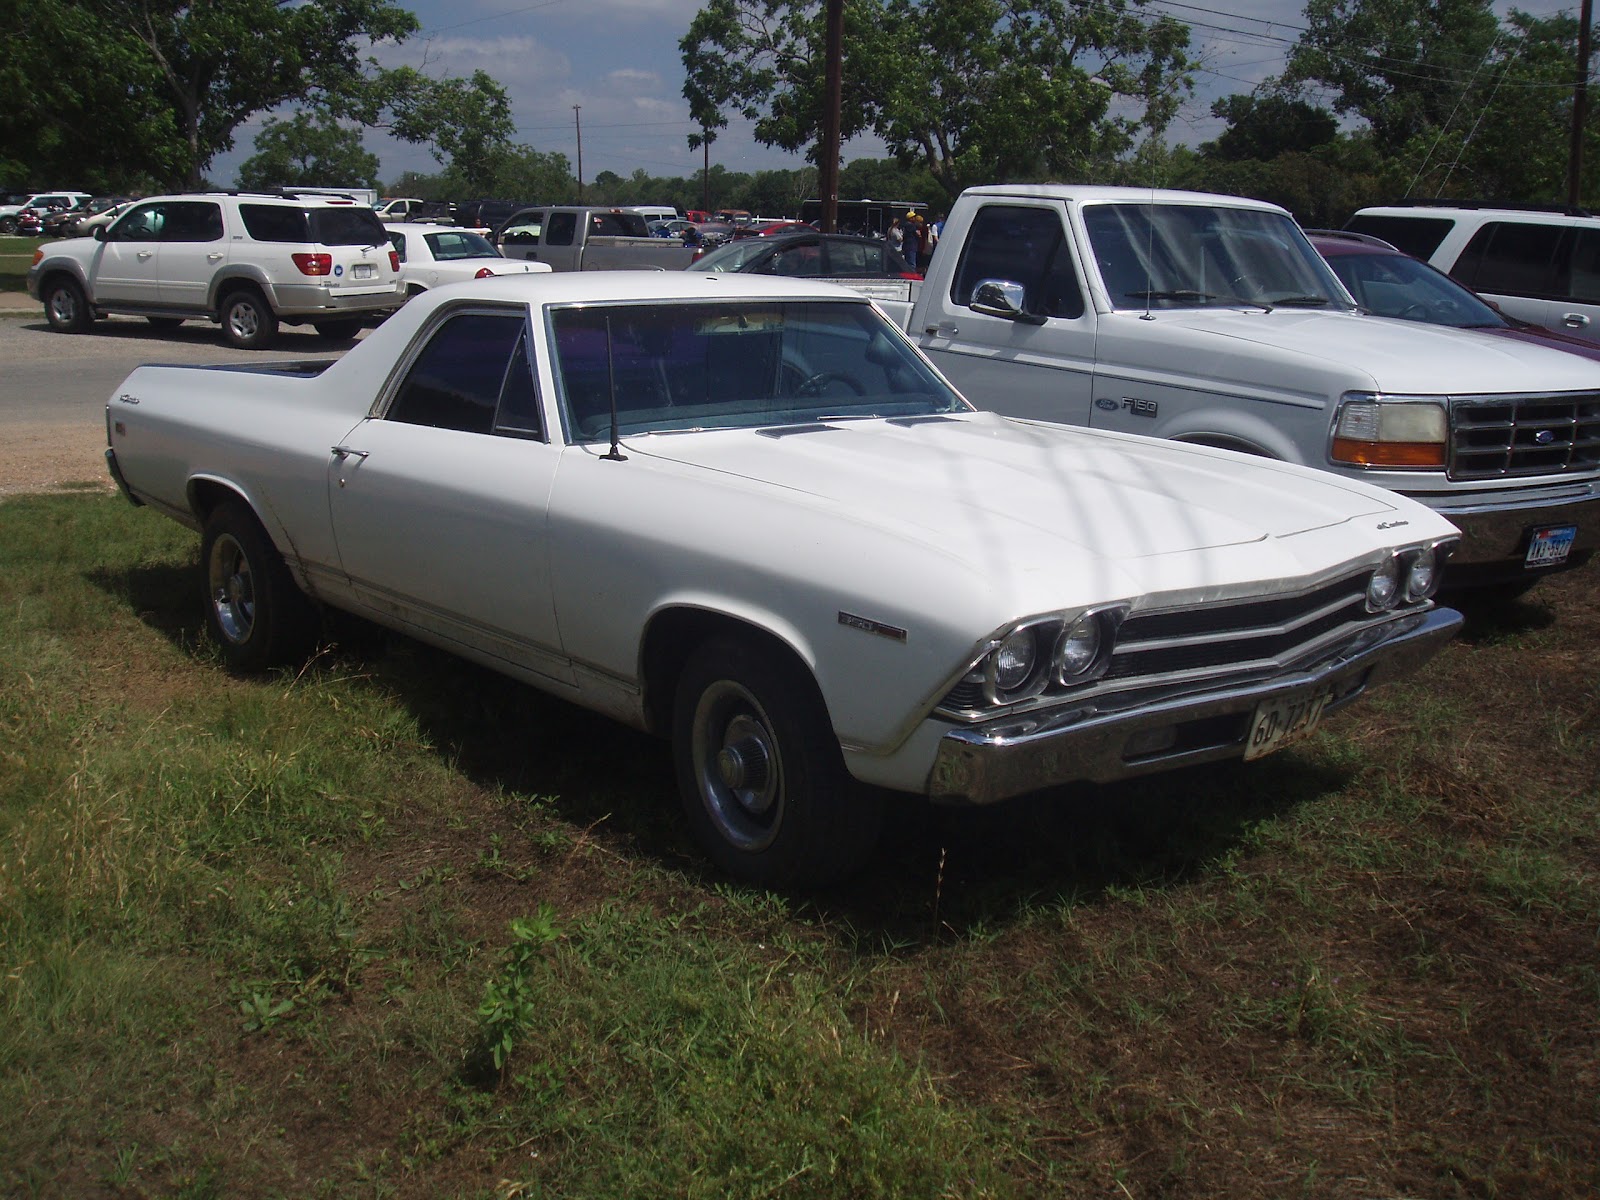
{"x":828,"y":159}
{"x":1580,"y":106}
{"x":705,"y":170}
{"x":580,"y":127}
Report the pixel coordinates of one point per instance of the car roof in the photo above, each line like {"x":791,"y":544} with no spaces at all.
{"x":1340,"y":241}
{"x":593,"y":287}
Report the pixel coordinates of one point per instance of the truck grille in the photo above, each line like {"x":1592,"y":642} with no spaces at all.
{"x":1236,"y":635}
{"x":1192,"y":645}
{"x":1498,"y":437}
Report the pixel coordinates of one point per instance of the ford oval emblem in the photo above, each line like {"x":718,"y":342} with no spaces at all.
{"x":1106,"y":404}
{"x":1545,"y":436}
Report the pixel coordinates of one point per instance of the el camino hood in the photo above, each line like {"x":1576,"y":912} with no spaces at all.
{"x":1389,"y":355}
{"x":968,"y":481}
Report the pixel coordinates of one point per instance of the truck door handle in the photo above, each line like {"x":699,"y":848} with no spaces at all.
{"x":941,"y":330}
{"x":1574,"y":320}
{"x":144,"y":254}
{"x":212,"y":257}
{"x":343,"y":452}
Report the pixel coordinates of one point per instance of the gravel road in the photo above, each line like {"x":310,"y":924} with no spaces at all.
{"x":54,"y":387}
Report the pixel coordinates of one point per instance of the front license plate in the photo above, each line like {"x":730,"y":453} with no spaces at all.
{"x":363,"y":271}
{"x":1287,"y":718}
{"x":1549,"y":546}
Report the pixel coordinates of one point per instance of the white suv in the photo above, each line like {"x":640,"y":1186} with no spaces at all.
{"x":1538,"y":265}
{"x":13,"y":206}
{"x":245,"y":260}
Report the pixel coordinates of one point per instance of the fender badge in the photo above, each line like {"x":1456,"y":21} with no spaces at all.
{"x":1392,"y":524}
{"x":866,"y":625}
{"x":1106,"y":404}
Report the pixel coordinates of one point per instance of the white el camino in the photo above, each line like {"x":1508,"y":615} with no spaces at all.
{"x":747,"y":514}
{"x":434,"y":255}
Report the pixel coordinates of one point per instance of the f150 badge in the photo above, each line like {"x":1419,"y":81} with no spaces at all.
{"x":1135,"y":406}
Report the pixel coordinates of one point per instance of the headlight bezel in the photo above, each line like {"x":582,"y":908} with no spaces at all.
{"x":1381,"y":432}
{"x":1051,"y":638}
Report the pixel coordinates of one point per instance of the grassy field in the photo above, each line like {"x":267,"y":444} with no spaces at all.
{"x":390,"y":926}
{"x":16,"y":256}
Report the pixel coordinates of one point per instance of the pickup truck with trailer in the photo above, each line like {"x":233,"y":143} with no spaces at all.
{"x":744,"y":513}
{"x":590,"y":239}
{"x":1211,"y":320}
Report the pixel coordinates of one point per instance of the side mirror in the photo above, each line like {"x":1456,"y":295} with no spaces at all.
{"x":99,"y":233}
{"x":1005,"y":299}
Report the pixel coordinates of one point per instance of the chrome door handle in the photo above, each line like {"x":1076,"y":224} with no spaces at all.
{"x":1574,"y":320}
{"x":347,"y":452}
{"x":212,"y":257}
{"x":941,"y":330}
{"x":143,"y":254}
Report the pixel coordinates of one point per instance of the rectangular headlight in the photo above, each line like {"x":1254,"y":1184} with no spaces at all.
{"x":1373,"y":432}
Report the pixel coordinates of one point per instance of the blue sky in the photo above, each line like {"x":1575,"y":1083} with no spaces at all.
{"x":618,"y":61}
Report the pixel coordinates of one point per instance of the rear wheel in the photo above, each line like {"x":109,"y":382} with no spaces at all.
{"x":8,"y":225}
{"x":248,"y":321}
{"x":65,"y":305}
{"x":760,"y":773}
{"x":257,"y":615}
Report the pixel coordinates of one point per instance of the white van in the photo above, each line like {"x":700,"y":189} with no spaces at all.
{"x":654,"y":212}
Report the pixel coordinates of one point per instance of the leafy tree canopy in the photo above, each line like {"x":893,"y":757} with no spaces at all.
{"x":176,"y":78}
{"x":313,"y":150}
{"x":970,"y":90}
{"x":1265,"y":126}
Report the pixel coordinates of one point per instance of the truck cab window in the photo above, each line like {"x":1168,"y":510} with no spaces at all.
{"x":459,"y":379}
{"x":1024,"y":245}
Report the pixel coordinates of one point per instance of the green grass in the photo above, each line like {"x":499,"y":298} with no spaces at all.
{"x":16,"y":256}
{"x":391,"y":926}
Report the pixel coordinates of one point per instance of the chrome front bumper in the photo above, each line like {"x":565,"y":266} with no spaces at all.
{"x":1006,"y":757}
{"x":1494,"y":528}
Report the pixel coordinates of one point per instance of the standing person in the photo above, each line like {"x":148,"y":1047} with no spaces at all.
{"x":911,"y":242}
{"x":896,"y":235}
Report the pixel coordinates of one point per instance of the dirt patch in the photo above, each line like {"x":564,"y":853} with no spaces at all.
{"x":47,"y":457}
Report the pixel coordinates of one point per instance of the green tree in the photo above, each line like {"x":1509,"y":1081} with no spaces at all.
{"x":971,"y":90}
{"x":187,"y":74}
{"x":464,"y":123}
{"x":1267,"y":125}
{"x":310,"y":149}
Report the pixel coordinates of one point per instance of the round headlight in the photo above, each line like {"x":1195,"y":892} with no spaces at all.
{"x":1014,"y":660}
{"x":1422,"y":579}
{"x":1080,"y":647}
{"x":1383,"y":589}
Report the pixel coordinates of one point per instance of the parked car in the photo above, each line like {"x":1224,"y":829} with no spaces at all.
{"x":1388,"y":282}
{"x":14,"y":204}
{"x":485,"y":215}
{"x":247,"y":261}
{"x":431,"y":255}
{"x":805,"y":252}
{"x":589,"y":238}
{"x":760,"y":228}
{"x":1540,"y":265}
{"x":746,"y":514}
{"x":84,"y":226}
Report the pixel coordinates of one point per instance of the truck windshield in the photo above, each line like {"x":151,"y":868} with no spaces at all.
{"x":735,"y":365}
{"x":1157,"y":256}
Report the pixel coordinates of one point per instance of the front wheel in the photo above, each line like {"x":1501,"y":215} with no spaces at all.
{"x":65,"y":306}
{"x":760,"y":773}
{"x":8,"y":226}
{"x":248,"y":321}
{"x":257,"y":615}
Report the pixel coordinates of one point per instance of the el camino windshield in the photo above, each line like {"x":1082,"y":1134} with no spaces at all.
{"x":1155,"y":256}
{"x":735,"y":365}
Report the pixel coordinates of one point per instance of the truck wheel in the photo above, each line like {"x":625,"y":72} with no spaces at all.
{"x":337,"y":331}
{"x":256,"y":614}
{"x":248,"y":321}
{"x":65,"y":305}
{"x":8,"y":226}
{"x":759,"y":770}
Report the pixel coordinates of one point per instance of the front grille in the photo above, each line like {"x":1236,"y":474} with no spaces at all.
{"x":1236,"y":635}
{"x":1497,"y":437}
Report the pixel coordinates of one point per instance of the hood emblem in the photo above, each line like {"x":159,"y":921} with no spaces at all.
{"x":1392,"y":524}
{"x":867,"y":625}
{"x":1545,"y":436}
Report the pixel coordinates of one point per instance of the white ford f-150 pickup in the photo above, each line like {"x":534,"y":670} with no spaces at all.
{"x":746,"y":513}
{"x":1211,"y":320}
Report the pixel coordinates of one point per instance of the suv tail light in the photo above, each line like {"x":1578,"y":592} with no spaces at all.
{"x":394,"y":260}
{"x":314,"y":264}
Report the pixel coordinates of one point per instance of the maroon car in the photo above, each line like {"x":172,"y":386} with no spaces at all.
{"x":1390,"y":283}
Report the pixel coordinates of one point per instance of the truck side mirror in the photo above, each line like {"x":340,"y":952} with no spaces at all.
{"x":1003,"y":298}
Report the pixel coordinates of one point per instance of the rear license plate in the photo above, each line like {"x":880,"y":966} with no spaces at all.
{"x":1286,"y":718}
{"x":363,"y":271}
{"x":1551,"y":545}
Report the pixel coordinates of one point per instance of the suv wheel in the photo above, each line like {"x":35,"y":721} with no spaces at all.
{"x":65,"y":306}
{"x":248,"y":321}
{"x":8,"y":225}
{"x":337,"y":331}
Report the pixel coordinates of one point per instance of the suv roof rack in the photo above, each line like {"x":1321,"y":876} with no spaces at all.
{"x":1565,"y":210}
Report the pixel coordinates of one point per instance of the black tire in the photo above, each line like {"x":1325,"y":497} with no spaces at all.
{"x":65,"y":305}
{"x":8,"y":226}
{"x":760,"y":773}
{"x":248,"y":321}
{"x":165,"y":324}
{"x":255,"y":612}
{"x":337,"y":331}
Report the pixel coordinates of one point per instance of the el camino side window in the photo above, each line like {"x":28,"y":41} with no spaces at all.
{"x":473,"y":364}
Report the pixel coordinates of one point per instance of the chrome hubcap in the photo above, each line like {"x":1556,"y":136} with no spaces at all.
{"x":233,"y":596}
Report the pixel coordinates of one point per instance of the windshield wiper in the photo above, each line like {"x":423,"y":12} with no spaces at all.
{"x":1303,"y":301}
{"x":1176,"y":294}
